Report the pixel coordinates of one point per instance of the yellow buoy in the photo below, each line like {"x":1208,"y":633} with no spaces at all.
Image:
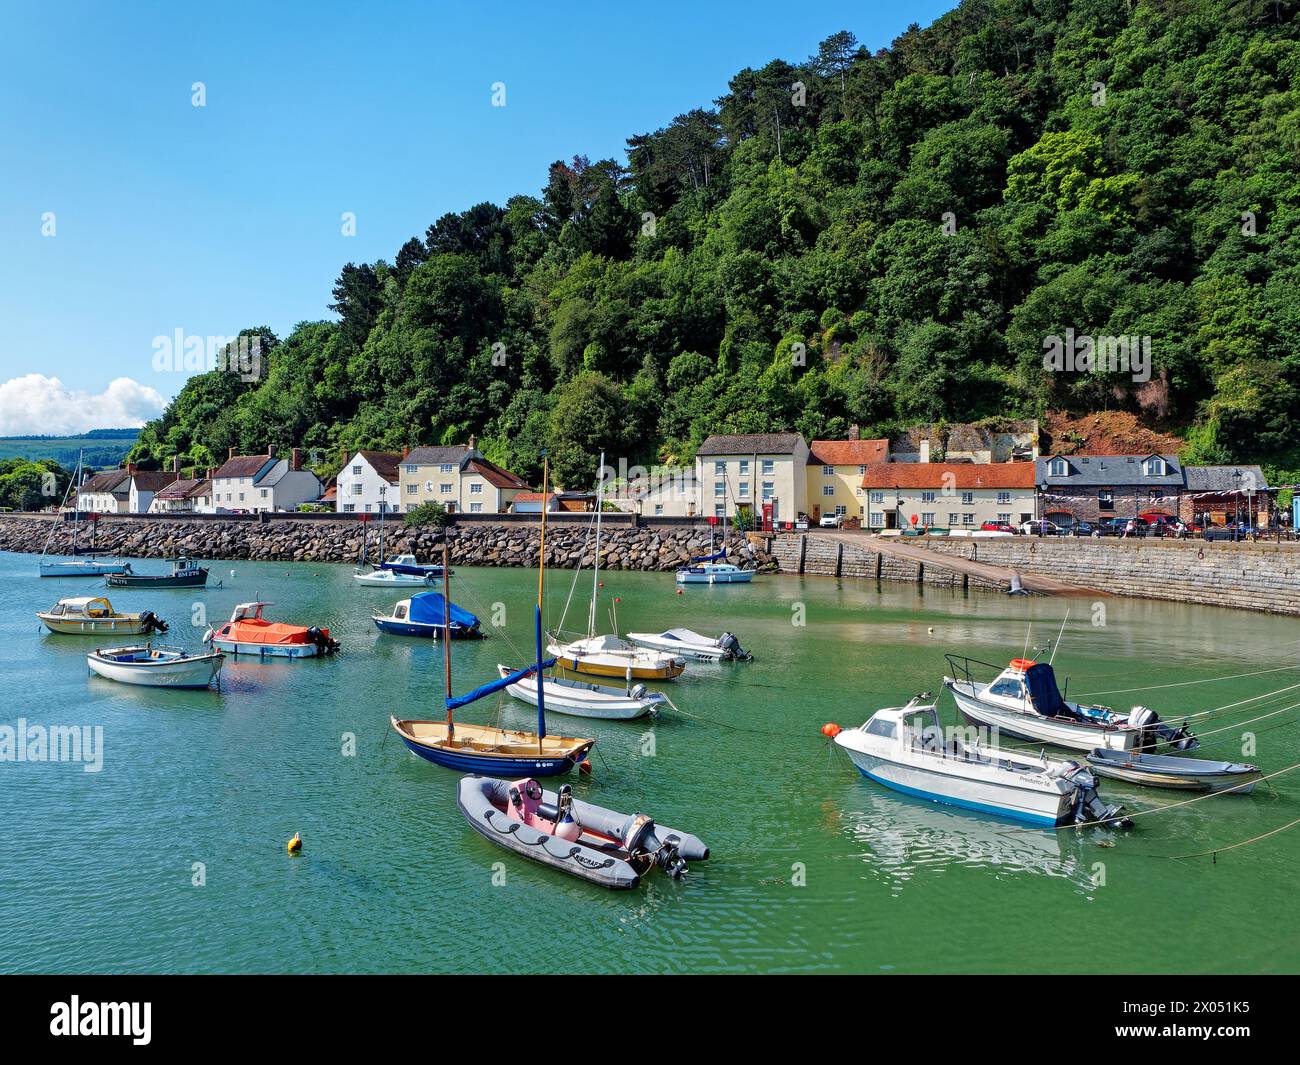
{"x":295,"y":844}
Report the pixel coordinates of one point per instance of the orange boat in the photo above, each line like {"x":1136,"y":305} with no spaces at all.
{"x":248,"y":633}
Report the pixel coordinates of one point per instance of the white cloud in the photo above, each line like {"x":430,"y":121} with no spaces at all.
{"x":38,"y":405}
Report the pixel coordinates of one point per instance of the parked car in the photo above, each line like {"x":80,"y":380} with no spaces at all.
{"x":1224,"y":532}
{"x":1082,"y":528}
{"x":1169,"y":528}
{"x":1040,"y":527}
{"x":830,"y":521}
{"x":998,"y":526}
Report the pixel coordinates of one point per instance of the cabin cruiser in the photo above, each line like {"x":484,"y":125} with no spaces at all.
{"x":95,"y":616}
{"x":700,"y":572}
{"x":691,"y":644}
{"x":403,"y":571}
{"x":1024,"y":702}
{"x":903,"y":748}
{"x":426,"y":615}
{"x":248,"y":633}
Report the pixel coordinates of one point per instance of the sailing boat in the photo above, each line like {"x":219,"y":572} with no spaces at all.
{"x":486,"y":749}
{"x":80,"y":567}
{"x":707,"y":569}
{"x":576,"y":697}
{"x":611,"y":655}
{"x":403,"y":571}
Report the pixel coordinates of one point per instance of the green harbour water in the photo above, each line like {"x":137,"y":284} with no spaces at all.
{"x":814,"y":869}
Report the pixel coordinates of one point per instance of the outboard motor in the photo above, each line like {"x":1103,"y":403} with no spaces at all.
{"x":641,"y":841}
{"x":1088,"y":805}
{"x":152,"y":622}
{"x":1178,"y":737}
{"x":732,"y":650}
{"x":324,"y":644}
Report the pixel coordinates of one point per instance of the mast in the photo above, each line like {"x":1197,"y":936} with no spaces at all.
{"x":595,"y":574}
{"x":541,"y":583}
{"x":446,"y":630}
{"x":381,"y":531}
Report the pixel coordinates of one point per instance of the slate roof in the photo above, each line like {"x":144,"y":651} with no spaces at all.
{"x":1220,"y":479}
{"x":384,"y":463}
{"x":153,"y":480}
{"x":437,"y":456}
{"x":244,"y":466}
{"x":940,"y":475}
{"x":1106,"y":471}
{"x":752,"y":444}
{"x":495,"y":475}
{"x":115,"y":481}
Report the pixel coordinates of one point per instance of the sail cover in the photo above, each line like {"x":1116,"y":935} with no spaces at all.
{"x":427,"y":609}
{"x":1043,"y":692}
{"x":457,"y":701}
{"x":412,"y":571}
{"x":709,"y":558}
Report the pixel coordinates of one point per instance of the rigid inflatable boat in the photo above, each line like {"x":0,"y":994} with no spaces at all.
{"x":602,"y":846}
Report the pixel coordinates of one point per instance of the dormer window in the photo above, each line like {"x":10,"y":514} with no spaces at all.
{"x":1058,"y":468}
{"x":1155,"y":467}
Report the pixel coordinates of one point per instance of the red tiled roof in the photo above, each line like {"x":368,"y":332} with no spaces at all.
{"x":495,"y":475}
{"x":533,"y":497}
{"x":949,"y":475}
{"x":152,"y":480}
{"x":384,"y":463}
{"x":847,"y":452}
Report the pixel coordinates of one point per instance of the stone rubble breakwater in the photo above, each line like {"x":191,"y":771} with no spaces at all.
{"x":658,"y":548}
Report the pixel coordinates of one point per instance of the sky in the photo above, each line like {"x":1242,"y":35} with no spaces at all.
{"x":128,"y":214}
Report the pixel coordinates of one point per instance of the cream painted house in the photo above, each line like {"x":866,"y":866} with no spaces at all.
{"x":458,"y":477}
{"x":763,"y":473}
{"x":835,"y":471}
{"x":947,"y":495}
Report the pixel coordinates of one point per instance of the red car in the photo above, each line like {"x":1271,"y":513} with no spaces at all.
{"x":998,"y":526}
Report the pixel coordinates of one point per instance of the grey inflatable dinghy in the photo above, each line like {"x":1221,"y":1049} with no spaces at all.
{"x":603,"y":846}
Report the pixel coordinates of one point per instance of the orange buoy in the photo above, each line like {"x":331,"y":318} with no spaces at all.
{"x":295,"y":844}
{"x":831,"y":729}
{"x":584,"y":767}
{"x":679,"y":591}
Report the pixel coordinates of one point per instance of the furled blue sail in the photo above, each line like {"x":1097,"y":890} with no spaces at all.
{"x":457,"y":701}
{"x":709,"y":558}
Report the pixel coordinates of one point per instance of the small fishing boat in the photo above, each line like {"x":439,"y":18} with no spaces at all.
{"x":1167,"y":771}
{"x":690,"y":644}
{"x":423,"y":615}
{"x":590,"y":842}
{"x":486,"y":749}
{"x":185,"y":573}
{"x":156,"y":667}
{"x":249,"y":633}
{"x":615,"y":658}
{"x":95,"y":616}
{"x":903,"y":748}
{"x":403,"y":571}
{"x":577,"y":698}
{"x":1024,"y":702}
{"x":705,"y":570}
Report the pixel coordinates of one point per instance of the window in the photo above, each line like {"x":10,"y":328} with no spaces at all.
{"x":877,"y":497}
{"x":954,"y":519}
{"x":743,"y":490}
{"x":841,"y":510}
{"x":348,"y":508}
{"x":744,"y":467}
{"x":828,"y":490}
{"x":241,"y":497}
{"x":967,"y":498}
{"x":1008,"y":686}
{"x":927,"y":518}
{"x":862,"y":471}
{"x":1058,"y":468}
{"x":1004,"y":497}
{"x":367,"y":508}
{"x":876,"y":520}
{"x":927,"y":497}
{"x":475,"y":508}
{"x":446,"y":467}
{"x":476,"y":489}
{"x":356,"y":488}
{"x":720,"y":490}
{"x":1005,"y":517}
{"x":1105,"y":499}
{"x":769,"y":467}
{"x":411,"y":489}
{"x":858,"y":491}
{"x":720,"y":469}
{"x":412,"y":469}
{"x":828,"y":471}
{"x":769,"y":490}
{"x":445,"y":488}
{"x":356,"y":471}
{"x":1154,"y":467}
{"x":659,"y":508}
{"x":878,"y":727}
{"x":968,"y":518}
{"x":719,"y":511}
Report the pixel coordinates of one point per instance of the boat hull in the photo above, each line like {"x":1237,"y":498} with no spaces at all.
{"x":418,"y":629}
{"x":80,"y":569}
{"x":195,"y":671}
{"x":266,"y":650}
{"x":577,"y":699}
{"x":1045,"y":808}
{"x":132,"y":580}
{"x":698,"y":652}
{"x":388,"y":579}
{"x":1034,"y":727}
{"x":121,"y":626}
{"x":1165,"y":772}
{"x":740,"y":577}
{"x":509,"y":759}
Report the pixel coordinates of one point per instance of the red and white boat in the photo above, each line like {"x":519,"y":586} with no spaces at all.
{"x":248,"y":633}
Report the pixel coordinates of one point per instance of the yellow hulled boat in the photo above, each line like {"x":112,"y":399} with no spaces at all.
{"x":95,"y":616}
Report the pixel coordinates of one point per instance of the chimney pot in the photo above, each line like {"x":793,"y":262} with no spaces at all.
{"x":176,"y":464}
{"x":472,"y":441}
{"x":295,"y":459}
{"x":270,"y":451}
{"x":230,"y":454}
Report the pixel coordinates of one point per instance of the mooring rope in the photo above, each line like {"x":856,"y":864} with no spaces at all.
{"x":1185,"y":683}
{"x":1231,"y":847}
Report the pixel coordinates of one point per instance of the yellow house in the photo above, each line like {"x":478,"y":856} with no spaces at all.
{"x":835,"y":470}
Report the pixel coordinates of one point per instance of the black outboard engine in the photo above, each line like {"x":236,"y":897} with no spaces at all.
{"x":1156,"y":731}
{"x":152,"y":622}
{"x":1088,"y":805}
{"x":732,"y":650}
{"x":324,"y":644}
{"x":640,"y":840}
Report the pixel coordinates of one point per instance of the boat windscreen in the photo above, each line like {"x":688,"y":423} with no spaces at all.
{"x":1043,"y":692}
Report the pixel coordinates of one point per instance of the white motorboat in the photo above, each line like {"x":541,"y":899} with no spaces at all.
{"x":156,"y":667}
{"x":1023,"y":702}
{"x":904,"y":749}
{"x":81,"y":567}
{"x":713,"y":573}
{"x":690,"y":644}
{"x":402,"y":572}
{"x":577,"y":698}
{"x":610,"y":656}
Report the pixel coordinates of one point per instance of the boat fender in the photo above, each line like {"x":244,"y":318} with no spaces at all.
{"x":295,"y":844}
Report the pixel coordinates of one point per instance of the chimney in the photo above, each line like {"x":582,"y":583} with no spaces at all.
{"x":855,"y":432}
{"x":295,"y":459}
{"x":230,"y":454}
{"x":130,"y":469}
{"x":406,"y":450}
{"x":176,"y":464}
{"x":925,"y":449}
{"x":270,"y":451}
{"x":472,"y":441}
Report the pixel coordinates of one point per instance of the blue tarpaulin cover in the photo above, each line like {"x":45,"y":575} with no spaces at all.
{"x":427,"y":608}
{"x":1043,"y":692}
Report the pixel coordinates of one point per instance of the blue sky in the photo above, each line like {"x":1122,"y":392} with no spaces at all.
{"x":209,"y":219}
